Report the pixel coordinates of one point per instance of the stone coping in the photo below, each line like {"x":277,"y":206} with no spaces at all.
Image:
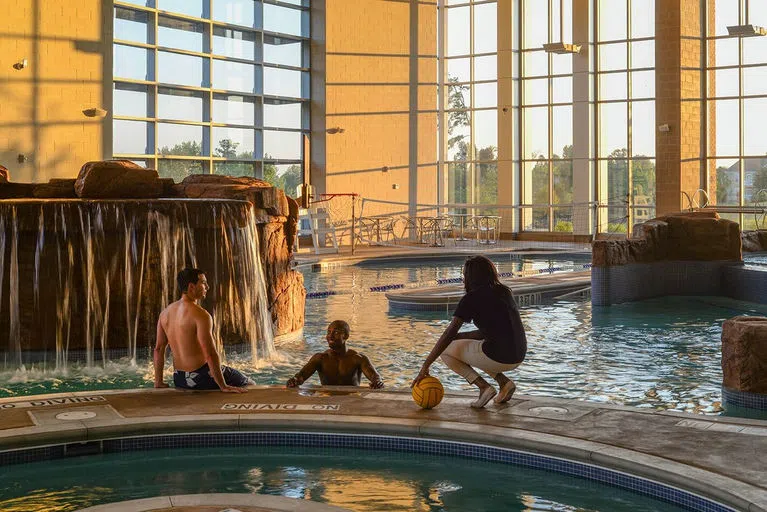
{"x":215,"y":503}
{"x":715,"y":457}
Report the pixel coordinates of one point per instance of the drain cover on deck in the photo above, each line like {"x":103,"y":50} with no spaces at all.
{"x":548,"y":410}
{"x":75,"y":415}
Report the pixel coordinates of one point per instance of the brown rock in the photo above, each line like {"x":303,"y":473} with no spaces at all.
{"x":56,"y":189}
{"x":754,"y":241}
{"x":744,"y":354}
{"x":10,"y":190}
{"x":117,"y":179}
{"x":291,"y":224}
{"x":4,"y":175}
{"x":213,"y":186}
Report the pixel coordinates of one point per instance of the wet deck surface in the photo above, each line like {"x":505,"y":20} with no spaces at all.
{"x":724,"y":455}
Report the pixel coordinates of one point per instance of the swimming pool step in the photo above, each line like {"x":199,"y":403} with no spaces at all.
{"x":527,"y":291}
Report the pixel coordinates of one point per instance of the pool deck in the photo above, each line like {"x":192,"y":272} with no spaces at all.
{"x":717,"y":457}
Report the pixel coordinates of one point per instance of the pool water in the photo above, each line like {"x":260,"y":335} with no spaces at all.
{"x":349,"y":478}
{"x":661,"y":353}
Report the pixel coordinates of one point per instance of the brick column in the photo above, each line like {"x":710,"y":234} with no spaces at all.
{"x":679,"y":62}
{"x":583,"y":127}
{"x":506,"y":176}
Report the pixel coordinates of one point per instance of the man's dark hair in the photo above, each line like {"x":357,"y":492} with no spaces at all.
{"x":343,"y":325}
{"x":186,"y":277}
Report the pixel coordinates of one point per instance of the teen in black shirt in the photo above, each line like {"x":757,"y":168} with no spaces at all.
{"x":498,"y":345}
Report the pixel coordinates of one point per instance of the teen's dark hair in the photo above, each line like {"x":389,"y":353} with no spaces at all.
{"x":478,"y":272}
{"x":186,"y":277}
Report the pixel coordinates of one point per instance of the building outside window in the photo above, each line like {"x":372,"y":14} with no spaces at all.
{"x":212,"y":86}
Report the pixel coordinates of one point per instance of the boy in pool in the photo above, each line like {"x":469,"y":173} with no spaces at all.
{"x":338,"y":365}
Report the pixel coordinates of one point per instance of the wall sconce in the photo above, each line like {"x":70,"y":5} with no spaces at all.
{"x":334,"y":130}
{"x":395,"y":186}
{"x":23,"y":63}
{"x":94,"y":112}
{"x":664,"y":128}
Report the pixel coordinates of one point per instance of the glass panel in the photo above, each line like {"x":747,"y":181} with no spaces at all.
{"x":131,"y":138}
{"x":643,"y":176}
{"x":133,"y":25}
{"x":175,"y":68}
{"x":536,"y":22}
{"x":488,"y":183}
{"x":562,"y":131}
{"x":179,"y":139}
{"x":182,"y":105}
{"x":725,"y":14}
{"x":562,"y":182}
{"x":458,"y":135}
{"x":458,"y":31}
{"x":563,"y":220}
{"x":613,"y":86}
{"x":643,"y":54}
{"x":282,"y":115}
{"x":132,"y":100}
{"x":459,"y":96}
{"x":754,"y":115}
{"x":643,"y":128}
{"x":285,"y":20}
{"x":612,"y":56}
{"x":486,"y":134}
{"x":458,"y":70}
{"x":724,"y":82}
{"x":282,"y":82}
{"x":232,"y":109}
{"x":234,"y":43}
{"x":561,"y":64}
{"x":237,"y":12}
{"x":643,"y":84}
{"x":179,"y":169}
{"x":181,"y":34}
{"x":486,"y":95}
{"x":281,"y":50}
{"x":725,"y":52}
{"x":536,"y":91}
{"x":562,"y":90}
{"x":486,"y":68}
{"x":754,"y":80}
{"x":615,"y":182}
{"x":285,"y":176}
{"x":727,"y":177}
{"x":235,"y":168}
{"x":194,"y":8}
{"x":536,"y":63}
{"x":727,"y":122}
{"x":642,"y":18}
{"x":485,"y":28}
{"x":234,"y":76}
{"x":456,"y":183}
{"x":612,"y":20}
{"x":536,"y":132}
{"x":133,"y":63}
{"x":143,"y":3}
{"x":282,"y":145}
{"x":236,"y":143}
{"x":755,"y":181}
{"x":613,"y":122}
{"x":754,"y":49}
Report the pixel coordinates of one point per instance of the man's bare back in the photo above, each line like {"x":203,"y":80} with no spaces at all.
{"x":188,"y":329}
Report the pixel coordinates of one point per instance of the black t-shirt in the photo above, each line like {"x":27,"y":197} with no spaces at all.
{"x":494,"y":312}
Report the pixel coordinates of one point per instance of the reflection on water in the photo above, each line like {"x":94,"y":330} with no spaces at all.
{"x":660,"y":353}
{"x":353,"y":479}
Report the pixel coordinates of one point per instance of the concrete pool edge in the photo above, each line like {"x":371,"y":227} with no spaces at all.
{"x":190,"y":502}
{"x":713,"y":485}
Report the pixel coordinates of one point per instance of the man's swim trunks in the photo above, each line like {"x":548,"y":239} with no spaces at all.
{"x":202,"y":379}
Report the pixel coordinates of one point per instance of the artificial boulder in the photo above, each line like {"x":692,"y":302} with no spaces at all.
{"x":56,"y":188}
{"x":117,"y":179}
{"x":744,"y":354}
{"x":262,"y":194}
{"x":3,"y":174}
{"x":754,"y":241}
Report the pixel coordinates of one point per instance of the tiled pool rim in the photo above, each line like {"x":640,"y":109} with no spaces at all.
{"x":440,"y":447}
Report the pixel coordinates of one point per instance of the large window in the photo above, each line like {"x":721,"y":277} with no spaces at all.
{"x":471,"y":101}
{"x":212,"y":86}
{"x":546,"y":88}
{"x":625,"y":63}
{"x":737,"y":108}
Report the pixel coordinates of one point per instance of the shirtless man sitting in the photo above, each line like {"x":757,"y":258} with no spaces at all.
{"x":188,"y":329}
{"x":338,"y":366}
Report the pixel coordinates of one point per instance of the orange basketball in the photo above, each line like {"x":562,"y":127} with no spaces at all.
{"x":428,"y":393}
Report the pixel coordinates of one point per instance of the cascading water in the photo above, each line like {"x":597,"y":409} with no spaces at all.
{"x":86,"y":280}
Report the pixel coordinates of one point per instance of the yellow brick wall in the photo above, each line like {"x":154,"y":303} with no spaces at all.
{"x":67,"y":44}
{"x":368,"y":94}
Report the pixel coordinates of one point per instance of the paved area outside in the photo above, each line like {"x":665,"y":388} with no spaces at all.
{"x":722,"y":458}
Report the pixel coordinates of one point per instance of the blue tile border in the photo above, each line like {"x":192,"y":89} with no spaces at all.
{"x":744,"y":399}
{"x":663,"y":492}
